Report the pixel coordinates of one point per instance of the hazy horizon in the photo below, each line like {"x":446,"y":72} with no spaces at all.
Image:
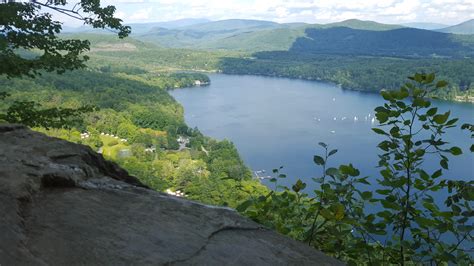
{"x":448,"y":12}
{"x":205,"y":20}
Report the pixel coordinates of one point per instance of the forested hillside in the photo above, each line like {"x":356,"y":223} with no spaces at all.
{"x":355,"y":36}
{"x":355,"y":54}
{"x":359,"y":72}
{"x":404,"y":42}
{"x":245,"y":35}
{"x":198,"y":36}
{"x":363,"y":73}
{"x":138,"y":125}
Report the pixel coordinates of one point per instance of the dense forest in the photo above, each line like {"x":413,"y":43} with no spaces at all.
{"x":398,"y":42}
{"x":355,"y":36}
{"x":364,"y":73}
{"x":354,"y":72}
{"x":138,"y":125}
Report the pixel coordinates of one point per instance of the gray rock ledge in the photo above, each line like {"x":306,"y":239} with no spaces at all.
{"x":63,"y":204}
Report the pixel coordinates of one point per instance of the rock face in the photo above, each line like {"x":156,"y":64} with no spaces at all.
{"x":63,"y":204}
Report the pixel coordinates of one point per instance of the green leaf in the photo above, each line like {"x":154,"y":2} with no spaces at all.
{"x":366,"y":195}
{"x":430,"y":206}
{"x":424,"y":175}
{"x":384,"y":214}
{"x":382,"y":117}
{"x":455,"y":151}
{"x":349,"y":170}
{"x":444,"y":164}
{"x":386,"y":95}
{"x":430,"y":77}
{"x":390,"y":205}
{"x":441,"y":84}
{"x":318,"y":160}
{"x":332,"y":152}
{"x":432,"y":111}
{"x":379,"y":131}
{"x":244,"y":205}
{"x":364,"y":180}
{"x":339,"y":212}
{"x":452,"y":121}
{"x":299,"y":186}
{"x":419,"y":77}
{"x":383,"y":191}
{"x":418,"y":102}
{"x":332,"y":171}
{"x":327,"y":214}
{"x":441,"y":119}
{"x":424,"y":222}
{"x":437,"y":174}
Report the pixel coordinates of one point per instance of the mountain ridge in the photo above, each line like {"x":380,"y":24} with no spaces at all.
{"x":426,"y":25}
{"x":251,"y":36}
{"x":466,"y":27}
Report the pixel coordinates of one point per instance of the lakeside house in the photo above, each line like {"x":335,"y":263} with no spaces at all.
{"x":200,"y":83}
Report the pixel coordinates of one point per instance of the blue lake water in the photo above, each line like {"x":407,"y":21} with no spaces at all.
{"x":278,"y":122}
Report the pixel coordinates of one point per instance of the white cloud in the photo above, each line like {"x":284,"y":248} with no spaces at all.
{"x":142,"y":14}
{"x":313,"y":11}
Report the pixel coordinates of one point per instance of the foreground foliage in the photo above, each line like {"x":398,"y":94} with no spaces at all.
{"x":27,"y":27}
{"x":412,"y":225}
{"x":30,"y":45}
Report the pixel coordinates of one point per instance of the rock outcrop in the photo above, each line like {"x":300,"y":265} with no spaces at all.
{"x":63,"y":204}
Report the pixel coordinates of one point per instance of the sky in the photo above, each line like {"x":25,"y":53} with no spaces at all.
{"x":311,"y":11}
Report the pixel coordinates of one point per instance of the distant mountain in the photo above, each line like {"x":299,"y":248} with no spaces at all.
{"x":466,"y":27}
{"x":110,"y":42}
{"x":362,"y":25}
{"x":246,"y":35}
{"x":182,"y":23}
{"x":84,"y":29}
{"x":141,"y":28}
{"x":232,"y":25}
{"x":295,"y":24}
{"x":198,"y":35}
{"x":425,"y":25}
{"x":264,"y":40}
{"x":345,"y":37}
{"x":402,"y":42}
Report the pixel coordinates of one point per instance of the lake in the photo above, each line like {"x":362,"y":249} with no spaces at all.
{"x":279,"y":122}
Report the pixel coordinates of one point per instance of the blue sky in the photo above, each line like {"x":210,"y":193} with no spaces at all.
{"x":311,"y":11}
